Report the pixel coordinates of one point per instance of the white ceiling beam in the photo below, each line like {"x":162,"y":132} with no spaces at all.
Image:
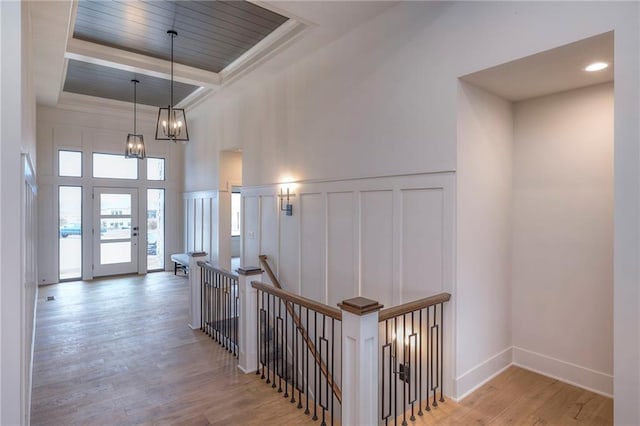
{"x":98,"y":54}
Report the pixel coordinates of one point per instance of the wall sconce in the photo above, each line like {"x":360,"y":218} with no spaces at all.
{"x":402,"y":366}
{"x":286,"y":207}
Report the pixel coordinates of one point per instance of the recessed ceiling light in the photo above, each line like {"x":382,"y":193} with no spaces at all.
{"x":596,"y":66}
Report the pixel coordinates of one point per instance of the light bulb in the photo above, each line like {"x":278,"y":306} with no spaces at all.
{"x":596,"y":66}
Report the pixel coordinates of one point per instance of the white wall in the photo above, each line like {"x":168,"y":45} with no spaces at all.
{"x":105,"y":132}
{"x":17,"y":292}
{"x":563,"y":236}
{"x":483,"y":230}
{"x":382,"y":100}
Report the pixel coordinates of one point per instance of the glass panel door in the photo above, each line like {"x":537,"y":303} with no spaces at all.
{"x":115,"y":231}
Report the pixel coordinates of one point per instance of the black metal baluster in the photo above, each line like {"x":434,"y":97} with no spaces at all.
{"x":412,"y":369}
{"x":267,"y":338}
{"x":326,"y":379}
{"x":306,"y":355}
{"x":404,"y":362}
{"x":258,"y":331}
{"x":296,"y":377}
{"x":275,"y":343}
{"x":209,"y":307}
{"x":202,"y":281}
{"x":225,"y":315}
{"x":420,"y":363}
{"x":395,"y":372}
{"x":237,"y":321}
{"x":315,"y":366}
{"x":280,"y":345}
{"x":434,"y":386}
{"x":333,"y":377}
{"x":385,"y":367}
{"x":214,"y":308}
{"x":428,"y":356}
{"x":441,"y":351}
{"x":294,"y":361}
{"x":286,"y":350}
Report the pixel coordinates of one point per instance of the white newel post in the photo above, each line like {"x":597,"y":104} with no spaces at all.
{"x":195,"y":304}
{"x":360,"y":361}
{"x":248,"y":319}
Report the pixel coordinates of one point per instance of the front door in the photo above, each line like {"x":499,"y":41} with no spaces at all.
{"x":115,"y":231}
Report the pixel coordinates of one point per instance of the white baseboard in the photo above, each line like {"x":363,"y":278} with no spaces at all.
{"x":594,"y":381}
{"x":482,"y":373}
{"x":246,"y":371}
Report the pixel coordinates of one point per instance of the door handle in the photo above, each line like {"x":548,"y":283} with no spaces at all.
{"x":135,"y":234}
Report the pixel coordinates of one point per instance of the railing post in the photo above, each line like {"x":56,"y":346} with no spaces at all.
{"x":248,"y":319}
{"x":360,"y":361}
{"x":194,"y":288}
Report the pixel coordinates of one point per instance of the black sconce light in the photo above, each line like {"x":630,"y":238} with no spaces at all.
{"x":286,"y":207}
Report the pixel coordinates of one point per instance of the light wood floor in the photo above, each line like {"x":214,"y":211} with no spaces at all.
{"x":119,"y":352}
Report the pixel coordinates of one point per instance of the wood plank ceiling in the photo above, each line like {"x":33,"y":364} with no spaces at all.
{"x":112,"y":83}
{"x":211,"y":35}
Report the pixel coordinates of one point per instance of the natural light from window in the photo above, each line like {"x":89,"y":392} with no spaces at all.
{"x":70,"y":163}
{"x":155,"y":168}
{"x":114,"y":166}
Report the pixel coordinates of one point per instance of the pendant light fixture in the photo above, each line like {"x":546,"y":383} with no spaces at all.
{"x":172,"y":122}
{"x":135,"y":142}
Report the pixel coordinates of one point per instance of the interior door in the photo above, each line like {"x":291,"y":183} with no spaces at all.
{"x":115,"y":231}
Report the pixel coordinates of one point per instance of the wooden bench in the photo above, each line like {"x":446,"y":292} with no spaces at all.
{"x":180,"y":261}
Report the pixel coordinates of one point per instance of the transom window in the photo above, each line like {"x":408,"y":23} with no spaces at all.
{"x":69,"y":163}
{"x":113,"y":166}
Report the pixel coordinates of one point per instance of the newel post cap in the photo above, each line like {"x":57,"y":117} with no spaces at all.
{"x":249,"y":270}
{"x":360,"y":305}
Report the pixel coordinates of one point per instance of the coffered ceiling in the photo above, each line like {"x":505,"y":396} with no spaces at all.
{"x":108,"y":43}
{"x":85,"y":52}
{"x":211,"y":34}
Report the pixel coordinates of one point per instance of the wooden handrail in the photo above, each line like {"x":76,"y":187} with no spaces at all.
{"x":291,"y":298}
{"x":224,"y":272}
{"x":415,"y":305}
{"x":299,"y":300}
{"x":267,"y":268}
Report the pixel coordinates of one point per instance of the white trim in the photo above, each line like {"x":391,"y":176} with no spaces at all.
{"x":33,"y":345}
{"x":246,"y":371}
{"x":111,"y":57}
{"x":263,"y":49}
{"x":472,"y":379}
{"x":211,"y":193}
{"x":573,"y":374}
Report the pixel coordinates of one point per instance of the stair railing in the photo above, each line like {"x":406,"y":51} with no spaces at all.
{"x":298,"y":343}
{"x":219,"y":305}
{"x":411,"y":358}
{"x":307,"y":340}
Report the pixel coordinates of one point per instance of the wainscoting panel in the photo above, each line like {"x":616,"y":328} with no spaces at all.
{"x":376,"y":242}
{"x":201,"y":220}
{"x":422,"y":243}
{"x":207,"y":229}
{"x":342,"y":265}
{"x":385,"y":238}
{"x":269,"y":226}
{"x":312,"y":246}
